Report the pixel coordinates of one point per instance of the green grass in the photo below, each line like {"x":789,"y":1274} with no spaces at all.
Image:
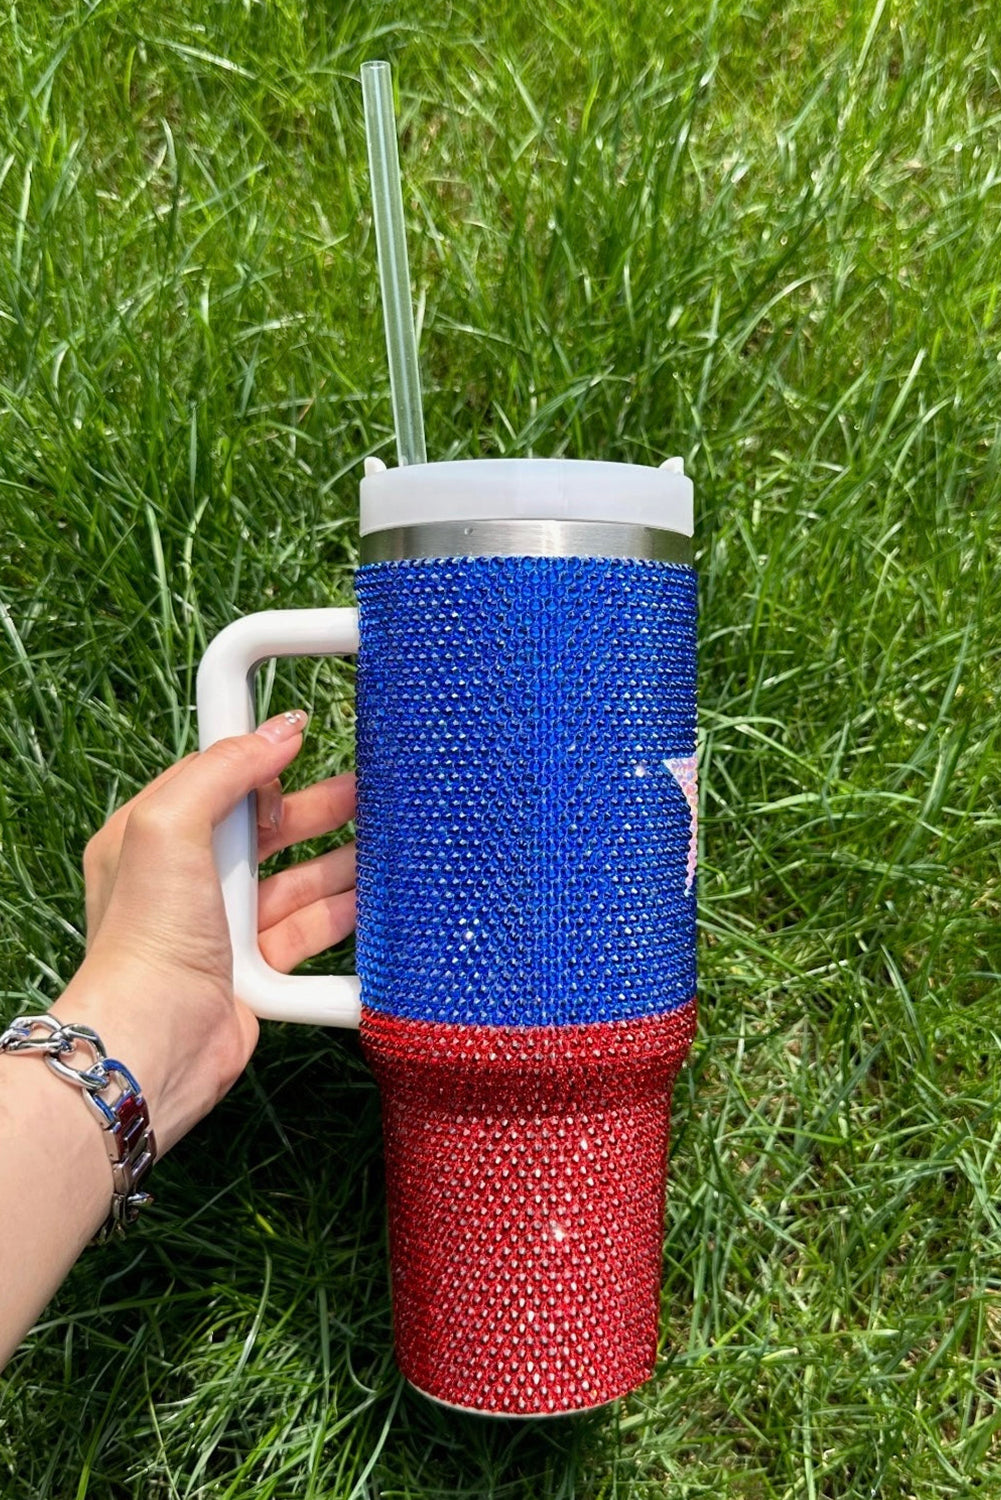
{"x":761,"y":235}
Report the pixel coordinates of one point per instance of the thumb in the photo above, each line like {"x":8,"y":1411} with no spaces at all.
{"x":208,"y":786}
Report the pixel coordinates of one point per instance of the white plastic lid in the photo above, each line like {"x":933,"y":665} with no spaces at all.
{"x":553,"y":489}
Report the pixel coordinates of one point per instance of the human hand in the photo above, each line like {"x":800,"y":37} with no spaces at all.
{"x":156,"y":983}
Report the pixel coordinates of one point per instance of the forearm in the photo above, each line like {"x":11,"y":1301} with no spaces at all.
{"x":55,"y":1187}
{"x":55,"y":1174}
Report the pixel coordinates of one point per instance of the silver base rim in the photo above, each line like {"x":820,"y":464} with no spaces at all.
{"x":511,"y":1416}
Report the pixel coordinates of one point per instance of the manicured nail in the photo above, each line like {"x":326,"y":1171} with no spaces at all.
{"x":284,"y":726}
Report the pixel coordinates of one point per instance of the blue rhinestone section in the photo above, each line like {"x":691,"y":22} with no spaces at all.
{"x":522,"y":839}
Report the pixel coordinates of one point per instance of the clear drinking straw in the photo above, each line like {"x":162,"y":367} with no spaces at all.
{"x":394,"y":269}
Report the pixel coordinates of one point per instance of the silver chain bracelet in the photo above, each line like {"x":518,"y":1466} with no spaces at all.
{"x":124,"y":1117}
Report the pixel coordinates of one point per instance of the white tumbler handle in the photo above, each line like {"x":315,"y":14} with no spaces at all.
{"x":226,"y":707}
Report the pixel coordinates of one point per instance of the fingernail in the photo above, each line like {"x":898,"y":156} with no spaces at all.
{"x":269,"y":809}
{"x":283,"y":726}
{"x":274,"y":809}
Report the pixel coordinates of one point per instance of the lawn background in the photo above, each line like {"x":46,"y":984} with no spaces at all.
{"x":763,"y":236}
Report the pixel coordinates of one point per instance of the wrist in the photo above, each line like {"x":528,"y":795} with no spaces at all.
{"x":75,"y":1053}
{"x":91,"y":1001}
{"x":184,"y":1042}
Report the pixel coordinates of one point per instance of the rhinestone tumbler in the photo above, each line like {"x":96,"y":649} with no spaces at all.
{"x":527,"y":827}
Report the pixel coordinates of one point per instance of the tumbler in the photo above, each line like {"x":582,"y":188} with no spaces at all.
{"x":526,"y":856}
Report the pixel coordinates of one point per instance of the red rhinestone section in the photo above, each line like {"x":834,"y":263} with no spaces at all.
{"x":526,"y":1170}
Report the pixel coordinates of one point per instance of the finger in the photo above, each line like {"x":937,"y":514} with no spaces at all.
{"x":309,"y":814}
{"x":290,"y":890}
{"x":269,"y":807}
{"x":211,"y":785}
{"x":309,"y":931}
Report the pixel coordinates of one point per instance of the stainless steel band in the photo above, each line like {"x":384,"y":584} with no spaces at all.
{"x":124,"y":1116}
{"x":526,"y":538}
